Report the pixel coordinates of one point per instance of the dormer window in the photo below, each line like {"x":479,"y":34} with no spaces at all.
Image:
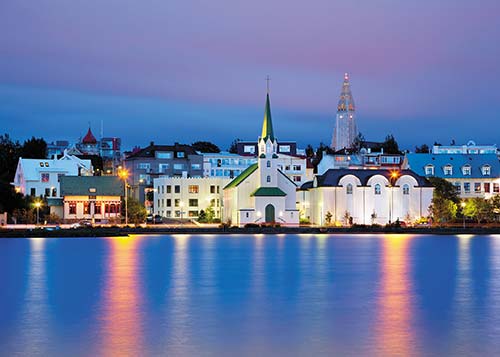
{"x":429,"y":170}
{"x":466,"y":170}
{"x":448,"y":170}
{"x":486,"y":170}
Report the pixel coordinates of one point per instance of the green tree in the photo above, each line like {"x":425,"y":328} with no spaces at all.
{"x":309,"y":151}
{"x":479,"y":209}
{"x":390,"y":145}
{"x":495,"y":206}
{"x":34,"y":148}
{"x":210,"y":212}
{"x":205,"y":146}
{"x":10,"y":152}
{"x":444,"y":189}
{"x":233,"y":149}
{"x":443,"y":210}
{"x":328,"y":218}
{"x":422,"y":149}
{"x":137,"y":213}
{"x":202,"y":217}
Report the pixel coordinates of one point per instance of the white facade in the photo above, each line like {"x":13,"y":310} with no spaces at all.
{"x":40,"y":177}
{"x":365,"y":199}
{"x":469,"y":148}
{"x":225,"y":164}
{"x":185,"y":197}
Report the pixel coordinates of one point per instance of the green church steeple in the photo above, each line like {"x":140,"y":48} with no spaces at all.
{"x":267,"y":125}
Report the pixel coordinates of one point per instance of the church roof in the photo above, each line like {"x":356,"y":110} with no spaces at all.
{"x":89,"y":138}
{"x":242,"y":177}
{"x":267,"y":125}
{"x":268,"y":191}
{"x":346,"y":102}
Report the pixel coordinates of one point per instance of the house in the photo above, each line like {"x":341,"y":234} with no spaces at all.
{"x":262,"y":193}
{"x":473,"y":175}
{"x":41,"y":177}
{"x":363,"y":196}
{"x":96,"y":198}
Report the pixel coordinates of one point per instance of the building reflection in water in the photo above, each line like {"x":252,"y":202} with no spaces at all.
{"x":121,"y":329}
{"x":394,"y":323}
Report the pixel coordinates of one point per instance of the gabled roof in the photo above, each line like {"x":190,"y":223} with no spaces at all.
{"x":149,"y":151}
{"x":91,"y":186}
{"x":268,"y":191}
{"x":242,"y":177}
{"x":267,"y":125}
{"x":32,"y":168}
{"x":418,"y":162}
{"x":332,"y":177}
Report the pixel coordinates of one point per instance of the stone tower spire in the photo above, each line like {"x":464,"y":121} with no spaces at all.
{"x":345,"y":130}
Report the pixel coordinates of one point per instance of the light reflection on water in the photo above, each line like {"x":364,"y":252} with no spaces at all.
{"x":251,"y":295}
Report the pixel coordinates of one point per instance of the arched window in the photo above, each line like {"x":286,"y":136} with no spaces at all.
{"x":348,"y":189}
{"x":406,"y":189}
{"x":377,"y":189}
{"x":268,"y":163}
{"x":268,"y":178}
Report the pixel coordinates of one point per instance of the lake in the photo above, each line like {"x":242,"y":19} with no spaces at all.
{"x":250,"y":295}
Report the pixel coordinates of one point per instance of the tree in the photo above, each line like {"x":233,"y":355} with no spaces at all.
{"x":205,"y":146}
{"x":442,"y":209}
{"x":210,"y":213}
{"x":479,"y":209}
{"x":34,"y":148}
{"x":328,"y":218}
{"x":495,"y":206}
{"x":444,"y":189}
{"x":390,"y":145}
{"x":309,"y":151}
{"x":359,"y":142}
{"x":202,"y":217}
{"x":422,"y":149}
{"x":233,"y":149}
{"x":137,"y":213}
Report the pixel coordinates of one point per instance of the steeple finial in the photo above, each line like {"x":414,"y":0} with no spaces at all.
{"x":346,"y":76}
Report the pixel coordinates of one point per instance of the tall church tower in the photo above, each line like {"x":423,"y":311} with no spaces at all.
{"x":345,"y":130}
{"x":268,"y":147}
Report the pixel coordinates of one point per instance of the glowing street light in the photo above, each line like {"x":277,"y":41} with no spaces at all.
{"x":394,"y":176}
{"x":38,"y":204}
{"x":123,"y":174}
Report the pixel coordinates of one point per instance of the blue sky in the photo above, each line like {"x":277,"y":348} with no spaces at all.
{"x":188,"y":70}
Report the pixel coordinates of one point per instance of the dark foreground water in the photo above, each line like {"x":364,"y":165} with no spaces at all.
{"x":256,"y":295}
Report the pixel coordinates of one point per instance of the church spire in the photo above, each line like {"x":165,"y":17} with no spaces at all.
{"x":267,"y":125}
{"x":346,"y":102}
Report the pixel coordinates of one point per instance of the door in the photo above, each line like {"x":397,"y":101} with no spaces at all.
{"x":269,"y":213}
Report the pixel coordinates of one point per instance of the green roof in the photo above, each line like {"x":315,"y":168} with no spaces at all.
{"x":241,"y":177}
{"x":267,"y":126}
{"x":268,"y":191}
{"x":91,"y":186}
{"x":54,"y":201}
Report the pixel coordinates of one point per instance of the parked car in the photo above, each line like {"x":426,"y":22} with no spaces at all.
{"x":154,"y":219}
{"x":82,"y":224}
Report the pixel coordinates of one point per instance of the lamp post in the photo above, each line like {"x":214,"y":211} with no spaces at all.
{"x":394,"y":176}
{"x":38,"y":204}
{"x":462,"y":204}
{"x":123,"y":173}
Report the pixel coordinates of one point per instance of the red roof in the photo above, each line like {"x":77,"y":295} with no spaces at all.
{"x":89,"y":138}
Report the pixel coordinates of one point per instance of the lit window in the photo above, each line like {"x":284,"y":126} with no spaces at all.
{"x":448,"y":170}
{"x":487,"y":187}
{"x":193,"y":189}
{"x":406,"y":189}
{"x":180,"y":154}
{"x":466,"y":170}
{"x":429,"y":170}
{"x":45,"y":177}
{"x":477,"y":187}
{"x":377,"y":189}
{"x":496,"y":187}
{"x":349,"y":189}
{"x":486,"y":169}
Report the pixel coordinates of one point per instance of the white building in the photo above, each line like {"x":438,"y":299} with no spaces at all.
{"x":40,"y":177}
{"x":225,"y":164}
{"x":366,"y":197}
{"x":262,"y":193}
{"x":470,"y":148}
{"x":185,"y":197}
{"x":345,"y":130}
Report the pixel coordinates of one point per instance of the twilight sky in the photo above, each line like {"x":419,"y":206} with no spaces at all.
{"x":187,"y":70}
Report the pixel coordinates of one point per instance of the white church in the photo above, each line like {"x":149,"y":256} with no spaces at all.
{"x":262,"y":194}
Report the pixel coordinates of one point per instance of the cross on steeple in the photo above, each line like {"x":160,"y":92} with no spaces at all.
{"x":268,"y":79}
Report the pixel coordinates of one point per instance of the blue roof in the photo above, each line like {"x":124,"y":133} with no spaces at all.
{"x":418,"y":162}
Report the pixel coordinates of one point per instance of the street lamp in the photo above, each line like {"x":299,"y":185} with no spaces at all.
{"x":394,"y":176}
{"x":38,"y":204}
{"x":462,"y":204}
{"x":123,"y":173}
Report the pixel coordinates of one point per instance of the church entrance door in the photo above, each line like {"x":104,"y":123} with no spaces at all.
{"x":270,"y":213}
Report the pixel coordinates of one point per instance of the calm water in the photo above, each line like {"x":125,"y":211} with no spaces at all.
{"x":301,"y":295}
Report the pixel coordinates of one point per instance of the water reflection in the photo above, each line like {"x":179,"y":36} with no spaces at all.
{"x":121,"y":325}
{"x":394,"y":330}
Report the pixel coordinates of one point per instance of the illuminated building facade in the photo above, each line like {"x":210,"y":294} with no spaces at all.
{"x":345,"y":130}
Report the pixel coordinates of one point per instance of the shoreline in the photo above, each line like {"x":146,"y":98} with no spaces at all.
{"x":104,"y":232}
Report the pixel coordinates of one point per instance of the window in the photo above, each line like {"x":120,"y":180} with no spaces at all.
{"x":218,"y":189}
{"x":466,"y":170}
{"x":72,"y":208}
{"x":297,"y":167}
{"x":193,"y":213}
{"x":144,"y":178}
{"x":106,"y":208}
{"x":268,"y":178}
{"x":163,"y":168}
{"x":429,"y":170}
{"x":406,"y":189}
{"x":45,"y":177}
{"x":177,"y":202}
{"x":284,"y":148}
{"x":212,"y":189}
{"x":97,"y":208}
{"x":179,"y":166}
{"x":180,"y":154}
{"x":297,"y":178}
{"x":348,"y":189}
{"x":112,"y":208}
{"x":169,"y":189}
{"x":54,"y":192}
{"x":249,"y":149}
{"x":169,"y":213}
{"x":496,"y":187}
{"x":466,"y":187}
{"x":448,"y":170}
{"x":32,"y":191}
{"x":195,"y":167}
{"x":193,"y":189}
{"x":458,"y":187}
{"x":169,"y":202}
{"x":177,"y":189}
{"x":487,"y":187}
{"x":193,"y":202}
{"x":86,"y":208}
{"x":477,"y":187}
{"x":486,"y":170}
{"x":144,"y":166}
{"x":163,"y":154}
{"x":377,"y":189}
{"x":268,"y":163}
